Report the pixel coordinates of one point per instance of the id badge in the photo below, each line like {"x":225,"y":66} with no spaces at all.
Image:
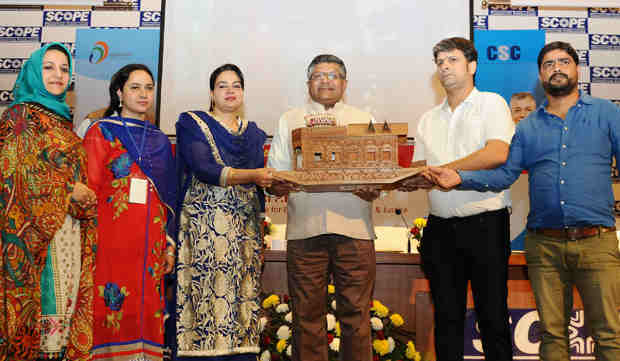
{"x":137,"y":190}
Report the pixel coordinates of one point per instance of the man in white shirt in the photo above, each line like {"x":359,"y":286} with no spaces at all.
{"x":467,"y":237}
{"x":327,"y":233}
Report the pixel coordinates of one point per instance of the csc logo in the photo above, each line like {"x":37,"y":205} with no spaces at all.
{"x":6,"y":96}
{"x":67,"y":16}
{"x":151,"y":16}
{"x":504,"y":52}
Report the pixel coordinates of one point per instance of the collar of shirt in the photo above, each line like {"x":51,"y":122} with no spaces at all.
{"x":470,"y":99}
{"x":583,"y":99}
{"x":313,"y":106}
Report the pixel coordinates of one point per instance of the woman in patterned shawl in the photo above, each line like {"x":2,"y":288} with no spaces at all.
{"x":47,"y":219}
{"x":221,"y":166}
{"x":131,"y":169}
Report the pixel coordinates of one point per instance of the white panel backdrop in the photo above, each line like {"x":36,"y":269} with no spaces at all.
{"x":386,"y":46}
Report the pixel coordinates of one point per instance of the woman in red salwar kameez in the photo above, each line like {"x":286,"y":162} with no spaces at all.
{"x":131,"y":169}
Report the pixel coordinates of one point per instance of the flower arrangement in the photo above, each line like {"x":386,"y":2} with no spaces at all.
{"x":416,"y":232}
{"x":277,"y":329}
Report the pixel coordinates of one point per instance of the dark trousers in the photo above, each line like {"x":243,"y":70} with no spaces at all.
{"x":461,"y":249}
{"x":352,"y":264}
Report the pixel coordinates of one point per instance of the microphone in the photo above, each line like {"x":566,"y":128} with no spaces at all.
{"x":399,"y":212}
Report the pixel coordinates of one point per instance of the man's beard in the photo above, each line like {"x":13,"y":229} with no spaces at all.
{"x":560,"y":89}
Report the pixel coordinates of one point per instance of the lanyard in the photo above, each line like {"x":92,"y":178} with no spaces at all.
{"x":141,"y":149}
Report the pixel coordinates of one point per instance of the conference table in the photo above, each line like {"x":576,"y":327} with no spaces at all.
{"x":402,"y":287}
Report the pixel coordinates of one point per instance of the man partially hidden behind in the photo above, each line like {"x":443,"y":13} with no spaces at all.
{"x":327,"y":233}
{"x":567,"y":146}
{"x":467,"y":237}
{"x":521,"y":105}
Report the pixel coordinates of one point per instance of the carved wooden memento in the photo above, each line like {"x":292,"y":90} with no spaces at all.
{"x":345,"y":158}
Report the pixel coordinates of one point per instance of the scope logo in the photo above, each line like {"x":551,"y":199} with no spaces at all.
{"x":481,"y":22}
{"x":20,"y":33}
{"x":66,"y":18}
{"x":150,"y":18}
{"x":508,"y":10}
{"x":603,"y":12}
{"x":563,"y":24}
{"x":584,"y":88}
{"x":70,"y":46}
{"x":604,"y":41}
{"x":504,"y":52}
{"x":605,"y":74}
{"x":6,"y":97}
{"x":11,"y":65}
{"x":584,"y":56}
{"x":99,"y":53}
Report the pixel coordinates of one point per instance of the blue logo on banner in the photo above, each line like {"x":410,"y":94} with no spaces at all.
{"x":503,"y":52}
{"x":603,"y":12}
{"x":481,"y":22}
{"x":604,"y":41}
{"x":507,"y":60}
{"x":508,"y":10}
{"x":66,"y":18}
{"x":526,"y":333}
{"x":585,"y":88}
{"x":563,"y":24}
{"x":70,"y":46}
{"x":6,"y":97}
{"x":11,"y":65}
{"x":20,"y":33}
{"x":150,"y":18}
{"x":605,"y":74}
{"x":584,"y":57}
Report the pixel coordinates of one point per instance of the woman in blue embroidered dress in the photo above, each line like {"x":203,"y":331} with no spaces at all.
{"x":220,"y":162}
{"x":130,"y":167}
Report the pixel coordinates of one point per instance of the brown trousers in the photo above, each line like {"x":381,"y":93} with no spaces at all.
{"x":352,"y":264}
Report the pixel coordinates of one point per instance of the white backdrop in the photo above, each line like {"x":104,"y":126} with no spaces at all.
{"x":386,"y":46}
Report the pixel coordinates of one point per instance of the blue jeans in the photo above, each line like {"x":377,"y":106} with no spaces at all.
{"x":592,"y":265}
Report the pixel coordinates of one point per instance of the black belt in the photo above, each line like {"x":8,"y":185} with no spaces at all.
{"x":573,"y":233}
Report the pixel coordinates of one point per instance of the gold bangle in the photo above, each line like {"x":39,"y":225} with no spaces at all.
{"x":170,"y":253}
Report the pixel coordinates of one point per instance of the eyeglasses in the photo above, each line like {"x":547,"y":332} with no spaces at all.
{"x":322,"y":75}
{"x":549,"y":64}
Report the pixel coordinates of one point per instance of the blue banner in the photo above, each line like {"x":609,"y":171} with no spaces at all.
{"x":99,"y":53}
{"x":526,"y":336}
{"x":507,"y":61}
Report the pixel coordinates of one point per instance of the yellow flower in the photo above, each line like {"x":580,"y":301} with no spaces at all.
{"x":379,"y":308}
{"x":411,"y":353}
{"x":381,"y":346}
{"x":281,"y":345}
{"x":338,"y":328}
{"x":397,"y":320}
{"x":271,"y":301}
{"x":331,"y":289}
{"x":420,"y":222}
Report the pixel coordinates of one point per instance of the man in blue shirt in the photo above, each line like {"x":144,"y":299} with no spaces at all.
{"x":567,"y":145}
